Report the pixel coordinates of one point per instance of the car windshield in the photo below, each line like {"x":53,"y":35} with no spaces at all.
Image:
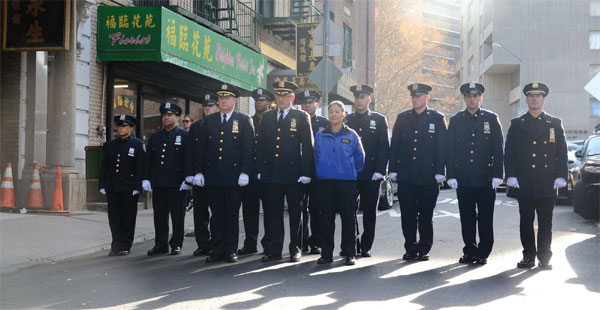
{"x":593,"y":147}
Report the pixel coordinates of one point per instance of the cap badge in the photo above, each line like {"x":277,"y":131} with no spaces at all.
{"x":259,"y":91}
{"x":122,"y":117}
{"x":535,"y":85}
{"x":472,"y":85}
{"x":306,"y":93}
{"x":281,"y":84}
{"x":167,"y":105}
{"x":359,"y":87}
{"x":415,"y":86}
{"x":224,"y":87}
{"x":207,"y":97}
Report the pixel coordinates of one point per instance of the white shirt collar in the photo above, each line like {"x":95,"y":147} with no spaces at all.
{"x":285,"y":112}
{"x":228,"y":115}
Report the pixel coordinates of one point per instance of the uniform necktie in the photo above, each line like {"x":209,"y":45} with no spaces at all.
{"x":280,"y":115}
{"x":224,"y":119}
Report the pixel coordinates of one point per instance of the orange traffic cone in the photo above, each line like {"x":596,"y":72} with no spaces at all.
{"x":57,"y":197}
{"x":34,"y":199}
{"x":7,"y":189}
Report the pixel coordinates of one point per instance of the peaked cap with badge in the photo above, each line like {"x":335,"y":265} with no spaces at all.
{"x":361,"y":90}
{"x":283,"y":88}
{"x":418,"y":89}
{"x":227,"y":90}
{"x":210,"y":99}
{"x":536,"y":88}
{"x":472,"y":88}
{"x":170,"y":108}
{"x":308,"y":96}
{"x":125,"y":120}
{"x":262,"y":94}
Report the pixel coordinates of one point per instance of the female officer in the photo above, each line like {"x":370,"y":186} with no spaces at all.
{"x":339,"y":156}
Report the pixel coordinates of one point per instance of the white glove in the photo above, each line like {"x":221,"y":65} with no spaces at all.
{"x":377,"y":176}
{"x":243,"y":179}
{"x":453,"y":183}
{"x":184,"y":187}
{"x":135,"y":193}
{"x":258,"y":176}
{"x":440,"y":178}
{"x":496,"y":182}
{"x":393,"y":176}
{"x":559,"y":182}
{"x":146,"y":185}
{"x":199,"y":179}
{"x":190,"y":179}
{"x":512,"y":182}
{"x":304,"y":180}
{"x":102,"y":191}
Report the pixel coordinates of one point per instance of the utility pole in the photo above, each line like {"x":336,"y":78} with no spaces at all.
{"x":324,"y":90}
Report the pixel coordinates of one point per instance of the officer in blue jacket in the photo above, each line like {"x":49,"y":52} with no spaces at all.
{"x":121,"y":181}
{"x":339,"y":157}
{"x":535,"y":159}
{"x":285,"y":161}
{"x":475,"y":169}
{"x":417,"y":159}
{"x":309,"y":100}
{"x":165,"y":167}
{"x":372,"y":128}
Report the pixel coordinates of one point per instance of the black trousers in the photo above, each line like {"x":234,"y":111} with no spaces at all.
{"x":165,"y":201}
{"x":368,"y":201}
{"x":337,"y":196}
{"x":224,"y":202}
{"x":476,"y":208}
{"x":201,"y":217}
{"x":310,"y":216}
{"x":274,"y":217}
{"x":122,"y":212}
{"x":544,"y":207}
{"x":416,"y":207}
{"x":252,"y":195}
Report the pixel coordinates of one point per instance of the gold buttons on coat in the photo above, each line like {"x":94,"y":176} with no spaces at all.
{"x":416,"y":131}
{"x":276,"y":155}
{"x":532,"y":166}
{"x":533,"y":155}
{"x":534,"y":142}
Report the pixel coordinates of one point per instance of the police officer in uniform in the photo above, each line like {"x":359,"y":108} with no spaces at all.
{"x":372,"y":128}
{"x":225,"y":163}
{"x":121,"y":181}
{"x":285,"y":161}
{"x":417,"y":159}
{"x":165,"y":167}
{"x":201,"y":213}
{"x":536,"y":164}
{"x":253,"y":194}
{"x":309,"y":100}
{"x":475,"y":169}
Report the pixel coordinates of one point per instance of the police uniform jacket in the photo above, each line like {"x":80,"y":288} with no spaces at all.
{"x":254,"y":168}
{"x":373,"y":131}
{"x":338,"y":155}
{"x":536,"y":154}
{"x":285,"y":149}
{"x":318,"y":123}
{"x":228,"y":148}
{"x":122,"y":165}
{"x":165,"y":158}
{"x":192,"y":164}
{"x":475,"y":148}
{"x":418,"y":147}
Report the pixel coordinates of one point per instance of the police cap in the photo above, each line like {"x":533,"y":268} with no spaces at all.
{"x":262,"y":94}
{"x":418,"y":89}
{"x":361,"y":90}
{"x":307,"y":96}
{"x":283,"y":88}
{"x":170,"y":108}
{"x":210,"y":99}
{"x":227,"y":90}
{"x":125,"y":120}
{"x":536,"y":88}
{"x":472,"y":88}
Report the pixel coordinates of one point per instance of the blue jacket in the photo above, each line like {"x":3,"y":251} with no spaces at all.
{"x":338,"y":155}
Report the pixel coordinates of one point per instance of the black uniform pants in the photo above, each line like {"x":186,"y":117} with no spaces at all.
{"x":416,"y":207}
{"x":274,"y":217}
{"x":122,"y":212}
{"x":337,"y":196}
{"x":201,"y":217}
{"x":224,"y":202}
{"x":310,"y":216}
{"x":252,"y":195}
{"x":544,"y":207}
{"x":476,"y":208}
{"x":368,"y":200}
{"x":165,"y":201}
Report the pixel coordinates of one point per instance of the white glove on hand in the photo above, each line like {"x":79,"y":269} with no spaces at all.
{"x":190,"y":179}
{"x":512,"y":182}
{"x":453,"y":183}
{"x":377,"y":176}
{"x":184,"y":187}
{"x":135,"y":193}
{"x":393,"y":176}
{"x":304,"y":180}
{"x":199,"y":179}
{"x":258,"y":176}
{"x":146,"y":185}
{"x":440,"y":178}
{"x":496,"y":182}
{"x":243,"y":179}
{"x":102,"y":191}
{"x":559,"y":182}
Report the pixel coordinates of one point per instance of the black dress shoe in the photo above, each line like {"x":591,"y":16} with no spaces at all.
{"x":315,"y":250}
{"x":305,"y":249}
{"x":295,"y":258}
{"x":111,"y":253}
{"x":213,"y":259}
{"x":526,"y":263}
{"x":423,"y":257}
{"x":350,"y":260}
{"x":480,"y":261}
{"x":176,"y":250}
{"x":545,"y":266}
{"x":270,"y":257}
{"x":325,"y":260}
{"x":467,"y":259}
{"x":246,"y":251}
{"x":364,"y":253}
{"x":201,"y":252}
{"x":157,"y":251}
{"x":410,"y":256}
{"x":121,"y":253}
{"x":232,"y":258}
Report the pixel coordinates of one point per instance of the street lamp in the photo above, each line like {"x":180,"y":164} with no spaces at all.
{"x":497,"y":45}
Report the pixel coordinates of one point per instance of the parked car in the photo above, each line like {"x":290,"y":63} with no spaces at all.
{"x":586,"y":192}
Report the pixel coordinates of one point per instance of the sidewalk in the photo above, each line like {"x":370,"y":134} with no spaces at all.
{"x":31,"y":239}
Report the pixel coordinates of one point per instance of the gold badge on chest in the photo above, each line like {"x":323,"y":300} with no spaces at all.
{"x":293,"y":124}
{"x":235,"y":128}
{"x":552,"y":138}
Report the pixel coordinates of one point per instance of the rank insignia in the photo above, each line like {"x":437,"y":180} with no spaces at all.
{"x":552,"y":138}
{"x":293,"y":124}
{"x":431,"y":128}
{"x":235,"y":128}
{"x":486,"y":127}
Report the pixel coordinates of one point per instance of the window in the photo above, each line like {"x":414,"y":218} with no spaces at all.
{"x":595,"y":40}
{"x":471,"y":65}
{"x":265,"y":8}
{"x":594,"y":7}
{"x":470,"y":38}
{"x":347,"y":43}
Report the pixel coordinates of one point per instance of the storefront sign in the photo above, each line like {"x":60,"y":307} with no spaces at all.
{"x":158,"y":34}
{"x":36,"y":25}
{"x":305,"y":60}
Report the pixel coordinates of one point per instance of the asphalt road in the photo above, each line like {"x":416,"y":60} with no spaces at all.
{"x":384,"y":281}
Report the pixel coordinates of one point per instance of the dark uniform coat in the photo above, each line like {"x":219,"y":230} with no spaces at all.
{"x":318,"y":123}
{"x":372,"y":128}
{"x":122,"y":165}
{"x":165,"y":160}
